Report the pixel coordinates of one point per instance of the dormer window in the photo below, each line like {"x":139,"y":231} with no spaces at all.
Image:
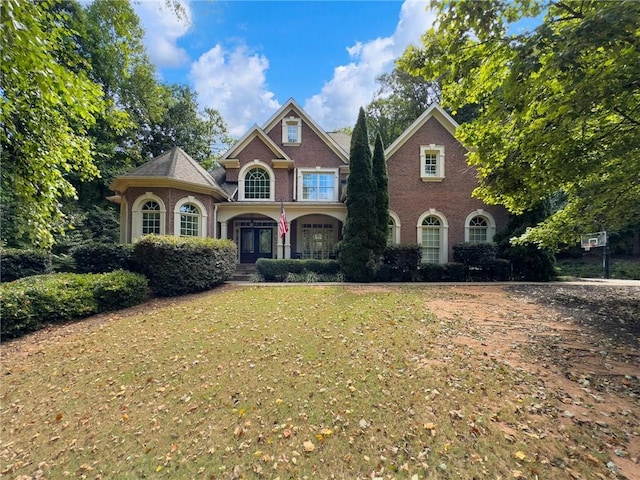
{"x":291,"y":131}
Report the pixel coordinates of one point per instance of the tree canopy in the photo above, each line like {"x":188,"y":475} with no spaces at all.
{"x":559,"y":105}
{"x":47,"y":106}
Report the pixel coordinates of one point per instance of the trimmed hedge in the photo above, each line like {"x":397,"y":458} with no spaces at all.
{"x":400,"y":263}
{"x":30,"y":302}
{"x":442,"y":272}
{"x":279,"y":270}
{"x":102,"y":257}
{"x":177,"y":265}
{"x":15,"y":263}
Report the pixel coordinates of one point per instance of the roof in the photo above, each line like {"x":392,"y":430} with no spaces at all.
{"x":291,"y":104}
{"x":174,"y":165}
{"x":342,"y":139}
{"x":434,"y":111}
{"x":254,"y":132}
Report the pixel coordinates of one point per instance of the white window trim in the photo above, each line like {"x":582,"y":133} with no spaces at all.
{"x":336,"y":181}
{"x":444,"y":232}
{"x":396,"y":228}
{"x":491,"y":224}
{"x":439,"y":151}
{"x":202,"y":226}
{"x":286,"y":122}
{"x":136,"y":214}
{"x":241,"y":180}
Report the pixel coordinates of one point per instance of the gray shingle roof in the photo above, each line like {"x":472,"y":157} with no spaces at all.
{"x":177,"y":165}
{"x":342,"y":139}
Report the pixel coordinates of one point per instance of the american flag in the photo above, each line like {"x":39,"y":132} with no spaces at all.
{"x":282,"y":224}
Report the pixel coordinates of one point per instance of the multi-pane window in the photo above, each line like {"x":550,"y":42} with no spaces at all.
{"x":391,"y":226}
{"x":318,"y":240}
{"x":150,"y":218}
{"x":430,"y":242}
{"x":430,"y":164}
{"x":257,"y":184}
{"x":189,"y":220}
{"x":318,"y":186}
{"x":478,"y":229}
{"x":292,"y":133}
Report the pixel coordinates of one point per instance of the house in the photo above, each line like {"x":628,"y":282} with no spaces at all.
{"x":291,"y":161}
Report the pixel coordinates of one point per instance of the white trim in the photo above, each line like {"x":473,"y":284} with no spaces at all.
{"x":124,"y":221}
{"x":396,"y":227}
{"x":202,"y":226}
{"x":491,"y":224}
{"x":438,"y":150}
{"x":254,"y":132}
{"x":291,"y":104}
{"x":444,"y":232}
{"x":435,"y":111}
{"x":243,"y":173}
{"x":336,"y":183}
{"x":136,"y":214}
{"x":286,"y":123}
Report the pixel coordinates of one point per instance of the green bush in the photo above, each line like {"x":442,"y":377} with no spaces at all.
{"x":400,"y":263}
{"x":475,"y":255}
{"x":119,"y":289}
{"x":528,"y":262}
{"x":30,"y":302}
{"x":17,"y":315}
{"x":499,"y":270}
{"x":15,"y":263}
{"x":101,"y":257}
{"x":442,"y":272}
{"x":280,"y":270}
{"x":60,"y":296}
{"x":177,"y":265}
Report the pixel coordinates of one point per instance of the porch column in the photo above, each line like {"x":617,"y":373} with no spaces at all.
{"x":287,"y":241}
{"x":223,"y":230}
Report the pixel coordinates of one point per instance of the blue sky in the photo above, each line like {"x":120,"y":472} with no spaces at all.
{"x":247,"y":58}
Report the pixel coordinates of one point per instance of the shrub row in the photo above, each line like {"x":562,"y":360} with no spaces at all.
{"x":278,"y":270}
{"x":102,"y":257}
{"x":176,"y":266}
{"x":15,"y":264}
{"x":30,"y":302}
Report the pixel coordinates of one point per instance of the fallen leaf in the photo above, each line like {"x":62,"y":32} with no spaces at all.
{"x":520,"y":455}
{"x":308,"y":446}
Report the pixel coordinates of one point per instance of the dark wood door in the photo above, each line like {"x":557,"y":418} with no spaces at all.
{"x":255,"y":243}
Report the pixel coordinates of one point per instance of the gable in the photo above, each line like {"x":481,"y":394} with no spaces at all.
{"x":438,"y":115}
{"x":311,"y":133}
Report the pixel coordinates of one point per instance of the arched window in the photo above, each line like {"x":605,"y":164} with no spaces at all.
{"x":189,"y":220}
{"x":257,"y":184}
{"x":431,"y":239}
{"x":479,"y":227}
{"x":393,"y":229}
{"x":147,"y":216}
{"x":150,"y":218}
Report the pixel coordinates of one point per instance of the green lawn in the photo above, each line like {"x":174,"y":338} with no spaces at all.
{"x":279,"y":382}
{"x":591,"y":267}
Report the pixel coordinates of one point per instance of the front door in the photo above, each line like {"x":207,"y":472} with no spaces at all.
{"x":255,"y":243}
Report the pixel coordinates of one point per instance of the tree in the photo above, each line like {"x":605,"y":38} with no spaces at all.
{"x":356,"y":254}
{"x":47,"y":105}
{"x":559,"y":105}
{"x":400,"y":99}
{"x":203,"y":136}
{"x":381,"y":184}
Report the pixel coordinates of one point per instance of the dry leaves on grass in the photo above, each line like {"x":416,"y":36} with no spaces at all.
{"x":289,"y":382}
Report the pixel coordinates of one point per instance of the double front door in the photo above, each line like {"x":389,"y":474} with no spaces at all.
{"x":255,"y":243}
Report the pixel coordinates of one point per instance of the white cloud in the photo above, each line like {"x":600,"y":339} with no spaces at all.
{"x":234,"y":83}
{"x":353,"y":85}
{"x":163,"y":27}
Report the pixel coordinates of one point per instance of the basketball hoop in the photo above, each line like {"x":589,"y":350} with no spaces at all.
{"x":593,"y":240}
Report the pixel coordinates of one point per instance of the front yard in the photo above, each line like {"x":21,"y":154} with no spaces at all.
{"x":332,"y":381}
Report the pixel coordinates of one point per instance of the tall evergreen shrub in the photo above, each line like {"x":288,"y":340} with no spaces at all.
{"x":381,"y":183}
{"x":356,"y":251}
